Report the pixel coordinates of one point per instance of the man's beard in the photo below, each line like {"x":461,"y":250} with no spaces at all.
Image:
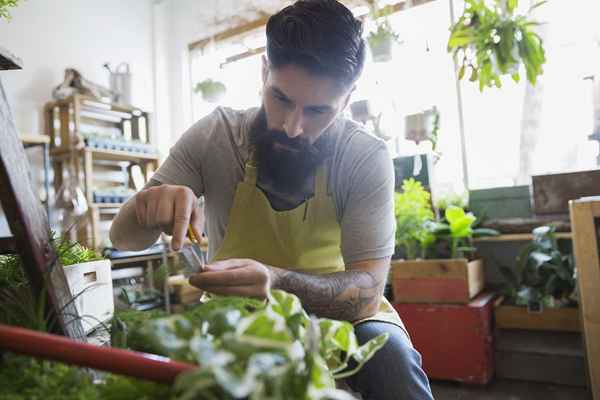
{"x":284,"y":162}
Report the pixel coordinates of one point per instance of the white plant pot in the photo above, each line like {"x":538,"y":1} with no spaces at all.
{"x":91,"y":282}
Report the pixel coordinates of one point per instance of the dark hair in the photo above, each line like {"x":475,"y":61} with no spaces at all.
{"x":320,"y":35}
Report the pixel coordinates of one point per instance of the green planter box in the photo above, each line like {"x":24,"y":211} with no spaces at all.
{"x":503,"y":202}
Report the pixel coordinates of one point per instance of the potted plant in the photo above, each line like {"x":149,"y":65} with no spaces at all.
{"x":212,"y":91}
{"x":541,"y":292}
{"x":494,"y":41}
{"x":440,"y":266}
{"x":4,"y":6}
{"x":89,"y":278}
{"x":383,"y":37}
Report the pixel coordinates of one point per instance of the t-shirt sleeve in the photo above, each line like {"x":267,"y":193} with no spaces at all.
{"x":368,"y":223}
{"x":183,"y":166}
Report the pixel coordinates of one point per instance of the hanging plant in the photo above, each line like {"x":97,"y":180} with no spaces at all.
{"x":4,"y":6}
{"x":383,"y":37}
{"x":493,"y":41}
{"x":211,"y":90}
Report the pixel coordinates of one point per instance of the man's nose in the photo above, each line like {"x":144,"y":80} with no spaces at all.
{"x":293,"y":124}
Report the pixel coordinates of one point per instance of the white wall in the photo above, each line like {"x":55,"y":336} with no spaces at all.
{"x":51,"y":35}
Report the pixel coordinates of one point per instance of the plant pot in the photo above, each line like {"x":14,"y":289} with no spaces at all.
{"x":91,"y":284}
{"x":565,"y":319}
{"x":381,"y":49}
{"x":437,"y":281}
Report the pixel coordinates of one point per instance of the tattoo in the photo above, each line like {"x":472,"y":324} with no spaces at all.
{"x":348,"y":296}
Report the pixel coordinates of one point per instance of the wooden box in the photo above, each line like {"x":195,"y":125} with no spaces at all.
{"x":564,"y":319}
{"x":437,"y":281}
{"x":455,"y":340}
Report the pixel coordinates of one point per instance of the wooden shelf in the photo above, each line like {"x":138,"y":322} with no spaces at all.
{"x":517,"y":237}
{"x":108,"y":205}
{"x":30,"y":139}
{"x":110,"y":155}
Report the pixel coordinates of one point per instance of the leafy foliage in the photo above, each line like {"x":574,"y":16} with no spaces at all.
{"x":495,"y":41}
{"x":210,"y":89}
{"x":458,"y":231}
{"x":419,"y":233}
{"x":414,"y":216}
{"x":4,"y":6}
{"x":255,"y":350}
{"x":544,"y":273}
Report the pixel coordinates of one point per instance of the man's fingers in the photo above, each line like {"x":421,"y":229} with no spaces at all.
{"x":140,"y":208}
{"x":182,"y":208}
{"x":231,"y":277}
{"x":227,"y":264}
{"x":242,"y":291}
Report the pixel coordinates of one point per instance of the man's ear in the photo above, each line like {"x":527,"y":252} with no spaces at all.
{"x":265,"y":69}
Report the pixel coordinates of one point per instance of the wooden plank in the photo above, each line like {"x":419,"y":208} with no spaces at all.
{"x":262,"y":21}
{"x":549,"y":368}
{"x":539,"y":342}
{"x":587,"y":260}
{"x":442,"y":269}
{"x":518,"y":237}
{"x":28,"y":223}
{"x":32,"y":139}
{"x":551,"y":319}
{"x":551,"y":193}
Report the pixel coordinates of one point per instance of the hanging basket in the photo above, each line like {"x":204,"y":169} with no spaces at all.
{"x":211,"y":91}
{"x":381,"y":47}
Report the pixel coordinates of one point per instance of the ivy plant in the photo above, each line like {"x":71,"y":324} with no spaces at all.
{"x":490,"y":41}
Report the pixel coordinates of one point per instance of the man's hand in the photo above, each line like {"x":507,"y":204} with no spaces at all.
{"x":235,"y":277}
{"x":170,"y":209}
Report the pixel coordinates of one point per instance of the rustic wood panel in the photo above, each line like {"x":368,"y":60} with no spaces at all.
{"x":585,"y":222}
{"x":551,"y":193}
{"x":551,"y":319}
{"x":29,"y":225}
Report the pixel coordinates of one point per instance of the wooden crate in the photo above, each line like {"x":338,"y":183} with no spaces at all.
{"x":585,"y":221}
{"x":565,"y":319}
{"x":456,"y":341}
{"x":437,"y":281}
{"x":520,"y":353}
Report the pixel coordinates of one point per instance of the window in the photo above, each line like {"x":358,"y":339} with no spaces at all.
{"x":509,"y":133}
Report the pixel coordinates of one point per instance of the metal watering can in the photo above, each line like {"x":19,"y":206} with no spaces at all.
{"x":120,"y":82}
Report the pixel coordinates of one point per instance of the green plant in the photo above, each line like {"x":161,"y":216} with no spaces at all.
{"x":544,"y":273}
{"x":255,"y":350}
{"x":458,"y":230}
{"x":495,"y":41}
{"x":380,"y":40}
{"x":210,"y":89}
{"x":4,"y":6}
{"x":414,"y":218}
{"x":70,"y":253}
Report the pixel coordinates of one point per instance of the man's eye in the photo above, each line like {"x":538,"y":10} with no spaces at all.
{"x":315,"y":112}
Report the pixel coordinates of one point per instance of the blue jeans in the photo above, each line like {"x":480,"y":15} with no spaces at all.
{"x":394,"y":372}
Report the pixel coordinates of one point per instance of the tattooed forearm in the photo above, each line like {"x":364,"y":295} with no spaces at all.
{"x":346,"y":296}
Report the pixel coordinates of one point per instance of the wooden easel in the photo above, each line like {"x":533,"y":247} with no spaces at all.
{"x":585,"y":222}
{"x":29,"y":224}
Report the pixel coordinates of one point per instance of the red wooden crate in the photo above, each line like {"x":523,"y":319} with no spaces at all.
{"x":455,"y":340}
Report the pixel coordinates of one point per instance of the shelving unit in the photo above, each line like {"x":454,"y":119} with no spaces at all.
{"x":100,"y":143}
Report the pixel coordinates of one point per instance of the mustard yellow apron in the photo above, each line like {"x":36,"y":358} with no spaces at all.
{"x":304,"y":239}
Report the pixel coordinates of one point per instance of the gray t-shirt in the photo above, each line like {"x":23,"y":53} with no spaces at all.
{"x":210,"y":158}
